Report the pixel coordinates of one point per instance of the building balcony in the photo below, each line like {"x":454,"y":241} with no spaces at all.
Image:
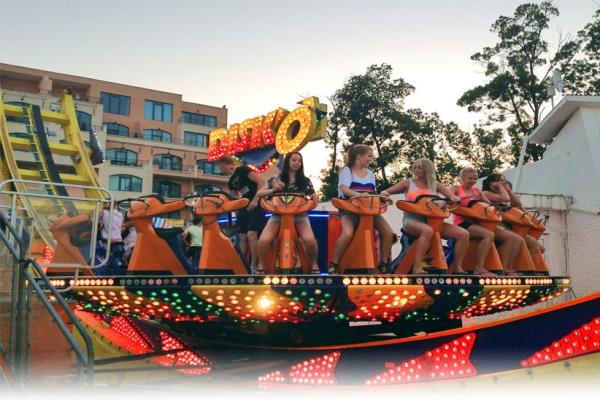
{"x":175,"y":144}
{"x":188,"y":172}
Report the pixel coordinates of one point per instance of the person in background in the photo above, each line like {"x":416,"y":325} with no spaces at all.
{"x":129,"y":236}
{"x":244,"y":182}
{"x":291,"y":179}
{"x":193,"y":236}
{"x":113,"y":219}
{"x":424,"y":181}
{"x":356,"y":179}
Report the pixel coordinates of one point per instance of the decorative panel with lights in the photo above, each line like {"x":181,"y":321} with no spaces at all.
{"x":234,"y":300}
{"x":451,"y":360}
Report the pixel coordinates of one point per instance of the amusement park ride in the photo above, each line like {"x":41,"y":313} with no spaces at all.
{"x":352,"y":327}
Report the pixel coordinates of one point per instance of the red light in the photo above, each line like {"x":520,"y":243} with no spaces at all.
{"x":135,"y":343}
{"x":434,"y":364}
{"x":583,"y":340}
{"x":314,"y":371}
{"x":182,"y":358}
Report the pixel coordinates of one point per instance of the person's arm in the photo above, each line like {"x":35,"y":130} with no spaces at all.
{"x":500,"y":197}
{"x":260,"y":182}
{"x":514,"y":199}
{"x":310,"y":191}
{"x":269,"y":188}
{"x":399,"y":187}
{"x":484,"y":197}
{"x":446,"y":192}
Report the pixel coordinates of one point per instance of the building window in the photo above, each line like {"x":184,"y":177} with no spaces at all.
{"x":157,"y":135}
{"x":209,"y":167}
{"x":167,"y":161}
{"x":172,"y":215}
{"x":158,"y":111}
{"x":200,"y":189}
{"x":199,"y":119}
{"x":125,"y":183}
{"x":112,"y":128}
{"x":115,"y":103}
{"x":167,"y":189}
{"x":85,"y":120}
{"x":122,"y":157}
{"x":195,"y":139}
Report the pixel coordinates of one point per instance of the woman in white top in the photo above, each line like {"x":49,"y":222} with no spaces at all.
{"x":356,"y":179}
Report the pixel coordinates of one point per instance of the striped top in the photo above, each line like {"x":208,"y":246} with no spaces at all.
{"x":356,"y":183}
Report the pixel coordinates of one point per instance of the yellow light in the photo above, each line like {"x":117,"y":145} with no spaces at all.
{"x":265,"y":303}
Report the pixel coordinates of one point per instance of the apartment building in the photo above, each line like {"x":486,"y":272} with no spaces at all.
{"x":154,"y":141}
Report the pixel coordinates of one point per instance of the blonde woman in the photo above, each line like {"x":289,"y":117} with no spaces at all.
{"x":467,"y":192}
{"x":424,"y":181}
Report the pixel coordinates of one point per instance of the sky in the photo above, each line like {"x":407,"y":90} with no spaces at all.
{"x":254,"y":56}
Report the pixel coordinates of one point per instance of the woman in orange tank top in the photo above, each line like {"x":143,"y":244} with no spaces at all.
{"x":424,"y":182}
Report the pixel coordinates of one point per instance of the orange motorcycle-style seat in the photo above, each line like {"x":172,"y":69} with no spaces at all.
{"x":288,"y":250}
{"x":487,"y":217}
{"x":360,"y":255}
{"x":426,"y":206}
{"x":218,"y":254}
{"x":537,"y":230}
{"x":67,"y":230}
{"x":520,"y":224}
{"x":152,"y":254}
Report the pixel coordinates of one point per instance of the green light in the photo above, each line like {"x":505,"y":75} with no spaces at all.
{"x":175,"y":295}
{"x":163,"y":291}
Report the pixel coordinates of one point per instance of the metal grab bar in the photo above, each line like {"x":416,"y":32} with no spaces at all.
{"x":89,"y":361}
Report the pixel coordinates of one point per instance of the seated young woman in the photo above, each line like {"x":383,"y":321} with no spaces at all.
{"x":499,"y":190}
{"x":356,"y":179}
{"x":467,"y":192}
{"x":424,"y":181}
{"x":291,"y":179}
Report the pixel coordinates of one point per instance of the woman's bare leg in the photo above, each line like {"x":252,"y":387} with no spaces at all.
{"x":461,"y":235}
{"x":486,"y":240}
{"x":266,"y":239}
{"x":423,"y":233}
{"x":310,"y":243}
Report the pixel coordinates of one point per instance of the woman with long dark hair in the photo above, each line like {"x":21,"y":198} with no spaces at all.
{"x":291,"y":179}
{"x":495,"y":190}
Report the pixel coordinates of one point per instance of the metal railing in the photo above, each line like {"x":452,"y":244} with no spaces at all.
{"x":24,"y":283}
{"x":105,"y":197}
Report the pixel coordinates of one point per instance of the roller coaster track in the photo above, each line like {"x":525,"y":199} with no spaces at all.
{"x":41,"y":166}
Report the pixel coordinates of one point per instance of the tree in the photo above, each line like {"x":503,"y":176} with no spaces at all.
{"x":427,"y":136}
{"x":329,"y":175}
{"x":368,"y":109}
{"x":582,"y":75}
{"x":484,"y":150}
{"x":517,"y":70}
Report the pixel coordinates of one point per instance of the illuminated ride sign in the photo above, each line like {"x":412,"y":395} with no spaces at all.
{"x":259,"y":141}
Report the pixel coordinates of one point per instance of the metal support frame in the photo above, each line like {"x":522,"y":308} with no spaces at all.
{"x":24,"y":284}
